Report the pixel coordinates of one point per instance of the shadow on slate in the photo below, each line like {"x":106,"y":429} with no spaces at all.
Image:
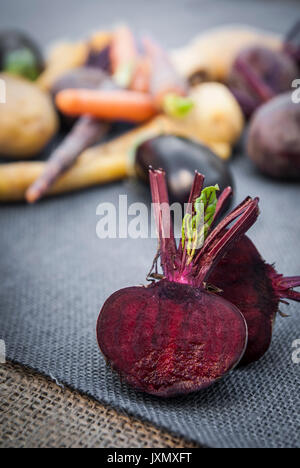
{"x":56,"y":274}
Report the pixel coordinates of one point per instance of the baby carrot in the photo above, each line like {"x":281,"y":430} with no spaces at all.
{"x":107,"y":104}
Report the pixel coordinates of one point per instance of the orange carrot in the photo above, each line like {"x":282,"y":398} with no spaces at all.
{"x":107,"y":105}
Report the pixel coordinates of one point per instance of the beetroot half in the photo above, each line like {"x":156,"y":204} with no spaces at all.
{"x":171,"y":338}
{"x":178,"y":335}
{"x":256,"y":289}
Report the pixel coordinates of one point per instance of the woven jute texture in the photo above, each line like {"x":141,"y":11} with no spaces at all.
{"x":36,"y":412}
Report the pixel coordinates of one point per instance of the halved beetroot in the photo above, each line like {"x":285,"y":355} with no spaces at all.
{"x":177,"y":336}
{"x":256,"y":289}
{"x":171,"y":338}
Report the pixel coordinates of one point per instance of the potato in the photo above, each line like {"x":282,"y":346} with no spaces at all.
{"x":216,"y":119}
{"x":210,"y":55}
{"x":27,"y":120}
{"x":64,"y":56}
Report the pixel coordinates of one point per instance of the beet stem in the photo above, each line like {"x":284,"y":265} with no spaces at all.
{"x":260,"y":88}
{"x":160,"y":199}
{"x":195,"y":193}
{"x":208,"y":260}
{"x":177,"y":265}
{"x":221,"y":228}
{"x":221,"y":204}
{"x":284,"y":287}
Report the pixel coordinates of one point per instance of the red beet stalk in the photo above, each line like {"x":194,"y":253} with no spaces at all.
{"x":263,"y":91}
{"x":176,"y":336}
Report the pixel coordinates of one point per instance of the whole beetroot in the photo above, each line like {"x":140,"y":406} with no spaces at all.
{"x":274,"y":138}
{"x":258,"y":74}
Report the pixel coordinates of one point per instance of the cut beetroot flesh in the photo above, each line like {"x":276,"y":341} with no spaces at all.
{"x":171,"y":338}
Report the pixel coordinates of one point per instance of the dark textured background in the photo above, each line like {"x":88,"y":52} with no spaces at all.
{"x":55,"y":273}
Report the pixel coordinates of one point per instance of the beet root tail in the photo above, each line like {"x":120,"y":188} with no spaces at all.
{"x":285,"y":287}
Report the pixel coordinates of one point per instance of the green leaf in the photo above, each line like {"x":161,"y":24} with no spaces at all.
{"x":208,"y":199}
{"x":195,"y":229}
{"x":177,"y":106}
{"x":23,"y":63}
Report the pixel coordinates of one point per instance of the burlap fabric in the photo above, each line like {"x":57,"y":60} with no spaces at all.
{"x":35,"y":412}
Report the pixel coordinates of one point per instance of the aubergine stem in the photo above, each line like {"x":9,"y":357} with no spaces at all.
{"x":261,"y":89}
{"x":86,"y":132}
{"x":164,"y":223}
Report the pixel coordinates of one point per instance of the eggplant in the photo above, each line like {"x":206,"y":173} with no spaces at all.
{"x":20,"y":55}
{"x":180,"y":158}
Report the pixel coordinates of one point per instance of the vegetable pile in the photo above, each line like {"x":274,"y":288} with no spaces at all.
{"x":116,"y":76}
{"x":187,"y":330}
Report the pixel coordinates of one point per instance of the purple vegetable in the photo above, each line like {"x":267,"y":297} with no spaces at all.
{"x":274,"y":138}
{"x":258,"y":74}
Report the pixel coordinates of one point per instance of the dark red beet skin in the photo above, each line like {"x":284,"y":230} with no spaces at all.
{"x":170,"y":338}
{"x":256,"y":289}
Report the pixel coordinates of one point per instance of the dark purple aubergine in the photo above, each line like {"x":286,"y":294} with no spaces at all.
{"x":180,"y":158}
{"x":258,"y":74}
{"x":292,"y":43}
{"x":274,"y":138}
